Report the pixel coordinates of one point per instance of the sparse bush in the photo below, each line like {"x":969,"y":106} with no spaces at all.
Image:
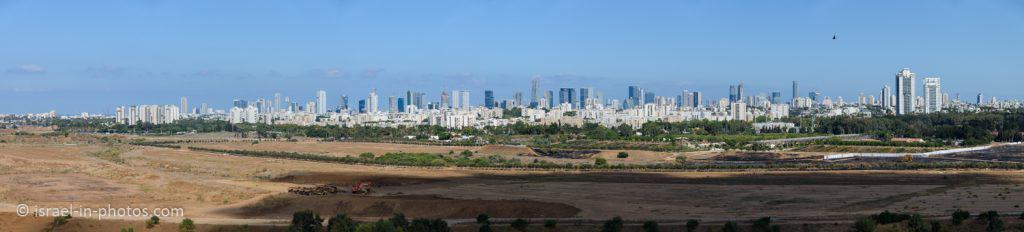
{"x":366,"y":155}
{"x":917,"y":224}
{"x":186,"y":225}
{"x":864,"y":225}
{"x":600,"y":162}
{"x":681,"y":159}
{"x":129,"y":229}
{"x":379,"y":226}
{"x":691,"y":225}
{"x":341,"y":223}
{"x":485,"y":227}
{"x":612,"y":225}
{"x":550,"y":224}
{"x":959,"y":216}
{"x":887,"y":217}
{"x":153,"y":221}
{"x":650,"y":226}
{"x":764,"y":225}
{"x":622,"y":155}
{"x":520,"y":224}
{"x":306,"y":221}
{"x":730,"y":226}
{"x":399,"y":220}
{"x":483,"y":219}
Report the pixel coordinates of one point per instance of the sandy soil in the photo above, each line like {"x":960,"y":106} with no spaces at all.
{"x":219,"y":189}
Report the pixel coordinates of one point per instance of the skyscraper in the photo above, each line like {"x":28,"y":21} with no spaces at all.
{"x":402,"y":105}
{"x":392,"y":104}
{"x":277,"y":101}
{"x":776,"y":97}
{"x":445,"y":99}
{"x":321,"y":102}
{"x":698,"y":99}
{"x":489,"y":99}
{"x":585,"y":94}
{"x":732,"y":93}
{"x":932,"y":95}
{"x":518,"y":97}
{"x":371,"y":102}
{"x":886,"y":97}
{"x":981,"y":99}
{"x":739,"y":92}
{"x":534,"y":87}
{"x":550,"y":96}
{"x":796,"y":92}
{"x":905,"y":91}
{"x":567,"y":95}
{"x":343,"y":104}
{"x":635,"y":97}
{"x":184,"y":106}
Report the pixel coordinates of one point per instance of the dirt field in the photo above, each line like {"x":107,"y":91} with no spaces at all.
{"x":220,"y":191}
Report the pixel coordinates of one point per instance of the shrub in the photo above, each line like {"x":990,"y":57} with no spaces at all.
{"x":341,"y":223}
{"x":622,"y":155}
{"x":887,"y":217}
{"x":427,"y":225}
{"x":485,"y":227}
{"x":483,"y":219}
{"x":520,"y":224}
{"x":379,"y":226}
{"x":691,"y":225}
{"x":612,"y":225}
{"x":399,"y":220}
{"x":864,"y":225}
{"x":681,"y":159}
{"x":916,"y":224}
{"x":366,"y":155}
{"x":186,"y":225}
{"x":764,"y":225}
{"x":153,"y":221}
{"x":730,"y":226}
{"x":550,"y":224}
{"x":601,"y":162}
{"x":959,"y":216}
{"x":650,"y":226}
{"x":129,"y":229}
{"x":306,"y":221}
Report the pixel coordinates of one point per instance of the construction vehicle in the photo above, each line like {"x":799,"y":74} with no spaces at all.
{"x":361,"y":188}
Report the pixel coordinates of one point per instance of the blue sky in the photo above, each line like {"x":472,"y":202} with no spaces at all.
{"x":76,"y":56}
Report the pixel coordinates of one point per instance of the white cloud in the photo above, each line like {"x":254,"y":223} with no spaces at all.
{"x":27,"y":69}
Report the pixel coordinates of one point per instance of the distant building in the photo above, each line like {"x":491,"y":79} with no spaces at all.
{"x":905,"y":91}
{"x":932,"y":95}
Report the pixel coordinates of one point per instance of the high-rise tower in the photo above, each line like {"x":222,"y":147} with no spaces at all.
{"x":905,"y":91}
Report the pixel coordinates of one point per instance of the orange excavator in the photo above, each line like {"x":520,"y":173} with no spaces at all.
{"x":361,"y":188}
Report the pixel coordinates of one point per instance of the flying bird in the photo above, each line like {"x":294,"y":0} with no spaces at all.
{"x":833,"y":36}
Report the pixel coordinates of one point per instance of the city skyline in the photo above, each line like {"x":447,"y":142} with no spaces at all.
{"x":147,"y":52}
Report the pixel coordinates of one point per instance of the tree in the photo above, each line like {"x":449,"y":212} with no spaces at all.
{"x":153,"y":221}
{"x":600,"y":162}
{"x":306,"y":221}
{"x":691,"y":225}
{"x":622,"y":155}
{"x":992,"y":218}
{"x":186,"y":225}
{"x":483,"y":219}
{"x":485,"y":227}
{"x":959,"y":216}
{"x":550,"y":224}
{"x":650,"y":226}
{"x":399,"y":220}
{"x":681,"y":159}
{"x":864,"y":225}
{"x":520,"y":224}
{"x":379,"y":226}
{"x":730,"y":226}
{"x":341,"y":223}
{"x":917,"y":224}
{"x":612,"y":225}
{"x":764,"y":225}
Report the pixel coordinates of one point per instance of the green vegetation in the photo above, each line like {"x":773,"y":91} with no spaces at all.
{"x":622,"y":155}
{"x":864,"y":225}
{"x":959,"y":216}
{"x":612,"y":225}
{"x":520,"y":224}
{"x":971,"y":128}
{"x":550,"y":224}
{"x":57,"y":222}
{"x":730,"y":226}
{"x":341,"y":223}
{"x":765,"y":225}
{"x":691,"y":225}
{"x":650,"y":226}
{"x":153,"y":221}
{"x":306,"y":221}
{"x":186,"y":225}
